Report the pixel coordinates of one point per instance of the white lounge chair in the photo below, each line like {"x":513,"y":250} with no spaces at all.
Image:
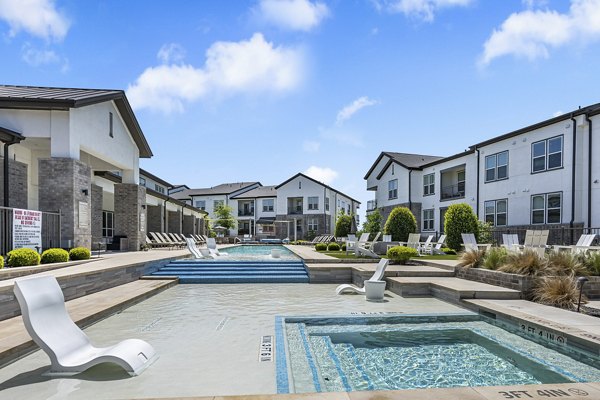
{"x":583,"y":244}
{"x":437,"y":249}
{"x":211,"y":244}
{"x":70,"y":350}
{"x":366,"y":249}
{"x":362,"y":241}
{"x":377,"y":276}
{"x":470,"y":243}
{"x":196,"y":252}
{"x":510,"y":241}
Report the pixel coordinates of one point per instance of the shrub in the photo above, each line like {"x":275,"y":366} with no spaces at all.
{"x":401,"y":254}
{"x":372,"y":223}
{"x":343,"y":225}
{"x":495,"y":258}
{"x":400,"y":224}
{"x":22,"y":257}
{"x":592,"y":262}
{"x":1,"y":262}
{"x":565,"y":263}
{"x":333,"y":246}
{"x":344,"y":247}
{"x":527,"y":262}
{"x":459,"y":218}
{"x":79,"y":253}
{"x":558,"y":291}
{"x":471,"y":258}
{"x":54,"y":256}
{"x":484,"y":232}
{"x":448,"y":250}
{"x":321,"y":246}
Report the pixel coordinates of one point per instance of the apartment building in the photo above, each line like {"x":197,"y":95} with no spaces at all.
{"x":542,"y":176}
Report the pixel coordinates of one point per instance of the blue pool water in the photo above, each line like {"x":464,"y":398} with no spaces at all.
{"x":408,"y":354}
{"x":258,"y":252}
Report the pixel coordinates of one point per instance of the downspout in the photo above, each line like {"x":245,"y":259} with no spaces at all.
{"x":6,"y":177}
{"x":477,"y":187}
{"x":589,"y":185}
{"x":165,"y":216}
{"x":573,"y":167}
{"x":409,"y":190}
{"x":324,"y":213}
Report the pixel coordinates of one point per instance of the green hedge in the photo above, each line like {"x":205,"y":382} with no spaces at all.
{"x":333,"y":247}
{"x":55,"y":256}
{"x":344,"y":247}
{"x":1,"y":262}
{"x":79,"y":253}
{"x":321,"y":246}
{"x":401,"y":254}
{"x":459,"y":219}
{"x":400,"y":224}
{"x":22,"y":257}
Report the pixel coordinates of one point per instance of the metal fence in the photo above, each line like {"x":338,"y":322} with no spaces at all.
{"x":50,"y":230}
{"x":560,"y":235}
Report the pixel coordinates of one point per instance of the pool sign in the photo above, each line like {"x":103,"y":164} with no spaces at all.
{"x":544,"y":334}
{"x":27,"y":228}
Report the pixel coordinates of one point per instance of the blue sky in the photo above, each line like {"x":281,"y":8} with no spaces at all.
{"x":260,"y":90}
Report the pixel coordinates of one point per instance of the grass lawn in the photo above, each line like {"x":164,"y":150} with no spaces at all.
{"x":438,"y":257}
{"x":342,"y":255}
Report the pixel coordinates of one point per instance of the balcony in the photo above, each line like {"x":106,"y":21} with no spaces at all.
{"x":453,"y":191}
{"x":453,"y":183}
{"x":246,"y":209}
{"x":246,"y":213}
{"x":295,"y":205}
{"x":371,"y":205}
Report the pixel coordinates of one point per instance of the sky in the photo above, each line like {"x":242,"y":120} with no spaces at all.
{"x":260,"y":90}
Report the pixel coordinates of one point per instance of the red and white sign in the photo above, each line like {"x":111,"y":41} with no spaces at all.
{"x":27,"y":228}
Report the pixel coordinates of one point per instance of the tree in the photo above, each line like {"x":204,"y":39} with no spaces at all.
{"x":343,"y":225}
{"x":459,"y":218}
{"x":400,"y":224}
{"x":224,"y":217}
{"x":373,"y":223}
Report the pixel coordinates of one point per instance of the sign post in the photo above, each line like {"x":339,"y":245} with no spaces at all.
{"x":27,"y":229}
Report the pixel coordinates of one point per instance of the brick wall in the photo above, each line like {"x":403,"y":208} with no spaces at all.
{"x":155,"y":218}
{"x":17,"y":183}
{"x":97,"y":195}
{"x":174,"y":221}
{"x":188,"y":224}
{"x":129,"y":199}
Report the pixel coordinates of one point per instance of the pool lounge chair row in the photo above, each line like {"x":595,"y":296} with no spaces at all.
{"x":172,"y":240}
{"x":323,"y":239}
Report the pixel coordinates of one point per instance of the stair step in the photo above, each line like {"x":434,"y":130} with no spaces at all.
{"x":235,"y":273}
{"x":244,"y":279}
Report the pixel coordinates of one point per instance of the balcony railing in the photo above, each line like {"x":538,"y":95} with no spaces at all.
{"x":453,"y":191}
{"x":295,"y":210}
{"x":371,"y":205}
{"x":245,"y":213}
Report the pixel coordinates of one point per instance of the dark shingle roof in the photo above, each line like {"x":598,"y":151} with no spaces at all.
{"x":224,"y":188}
{"x":51,"y":98}
{"x":261,"y":191}
{"x":411,"y":160}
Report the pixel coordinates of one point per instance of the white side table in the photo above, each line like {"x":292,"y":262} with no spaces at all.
{"x":374,"y":290}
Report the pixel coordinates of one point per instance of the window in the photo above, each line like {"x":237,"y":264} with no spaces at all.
{"x":496,"y":212}
{"x":496,"y":167}
{"x":268,"y":205}
{"x":268,"y":228}
{"x":313,"y":224}
{"x":313,"y":203}
{"x":546,"y":208}
{"x":326,"y":203}
{"x":201,"y":204}
{"x":299,"y":184}
{"x":428,"y":220}
{"x":142,"y":181}
{"x":348,"y":209}
{"x":428,"y":184}
{"x":392,"y":169}
{"x":108,"y":227}
{"x":110,"y":124}
{"x":547,"y":154}
{"x":393,"y":189}
{"x":461,"y":183}
{"x":217,"y":204}
{"x":159,"y":188}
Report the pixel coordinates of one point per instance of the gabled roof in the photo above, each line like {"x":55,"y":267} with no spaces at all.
{"x":51,"y":98}
{"x":224,"y":188}
{"x":155,"y":178}
{"x":261,"y":191}
{"x":406,"y":160}
{"x":316,"y":181}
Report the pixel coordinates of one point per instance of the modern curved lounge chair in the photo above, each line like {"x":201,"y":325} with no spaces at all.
{"x":377,"y":276}
{"x":198,"y":253}
{"x":212,"y":246}
{"x":70,"y":350}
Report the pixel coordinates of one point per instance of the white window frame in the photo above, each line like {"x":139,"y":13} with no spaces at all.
{"x":493,"y":216}
{"x":217,"y":202}
{"x":429,"y":219}
{"x":108,"y":231}
{"x":496,"y":167}
{"x":159,"y":188}
{"x":326,"y":203}
{"x":429,"y":184}
{"x":392,"y":191}
{"x":266,"y":207}
{"x":313,"y":202}
{"x":313,"y":224}
{"x":546,"y":209}
{"x":547,"y":154}
{"x":201,"y":207}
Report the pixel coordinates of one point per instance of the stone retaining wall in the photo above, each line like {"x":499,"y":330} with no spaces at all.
{"x":523,"y":283}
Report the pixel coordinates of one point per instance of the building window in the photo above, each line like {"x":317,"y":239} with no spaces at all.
{"x":313,"y":203}
{"x":201,"y":204}
{"x":142,"y":181}
{"x":268,"y":205}
{"x":546,"y":208}
{"x":313,"y":224}
{"x":159,"y":188}
{"x":428,"y":184}
{"x":268,"y":228}
{"x":393,"y":189}
{"x":326,"y":203}
{"x":496,"y":212}
{"x":108,"y":224}
{"x":217,"y":204}
{"x":110,"y":125}
{"x":461,"y":182}
{"x":496,"y":167}
{"x":299,"y":184}
{"x":547,"y":154}
{"x":392,"y":169}
{"x":428,"y":220}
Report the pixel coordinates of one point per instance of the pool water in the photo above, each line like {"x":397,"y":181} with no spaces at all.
{"x":348,"y":357}
{"x":258,"y":252}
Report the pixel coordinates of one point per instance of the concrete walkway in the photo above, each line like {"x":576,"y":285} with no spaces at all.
{"x":309,"y":254}
{"x":449,"y":288}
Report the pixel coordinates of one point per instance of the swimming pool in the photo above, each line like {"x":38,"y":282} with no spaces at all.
{"x":258,"y":252}
{"x":410,"y":352}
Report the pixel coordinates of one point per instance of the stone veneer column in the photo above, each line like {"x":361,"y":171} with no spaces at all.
{"x":65,"y":185}
{"x":130,"y":214}
{"x":17,"y":182}
{"x":97,"y":195}
{"x":155,"y":218}
{"x":188,"y":224}
{"x":174,"y":221}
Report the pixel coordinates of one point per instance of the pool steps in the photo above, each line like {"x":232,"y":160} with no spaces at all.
{"x":235,"y":271}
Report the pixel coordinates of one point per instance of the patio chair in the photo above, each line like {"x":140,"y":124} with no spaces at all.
{"x":366,"y":248}
{"x":583,"y":244}
{"x":352,"y":244}
{"x":159,"y":239}
{"x":196,"y":252}
{"x":167,"y":239}
{"x":437,"y":249}
{"x":414,"y":241}
{"x":377,"y":276}
{"x":510,"y":241}
{"x":154,"y":244}
{"x":211,"y":244}
{"x":178,"y":242}
{"x":70,"y":350}
{"x":426,"y":247}
{"x":470,"y":243}
{"x":536,"y":240}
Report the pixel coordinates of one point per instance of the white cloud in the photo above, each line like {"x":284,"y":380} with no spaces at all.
{"x":421,"y":9}
{"x":351,"y":109}
{"x":532,"y":33}
{"x":558,"y":113}
{"x":311,"y":146}
{"x":35,"y":57}
{"x":253,"y":65}
{"x":297,"y":15}
{"x":535,"y":3}
{"x":37,"y":17}
{"x":322,"y":174}
{"x":171,"y":53}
